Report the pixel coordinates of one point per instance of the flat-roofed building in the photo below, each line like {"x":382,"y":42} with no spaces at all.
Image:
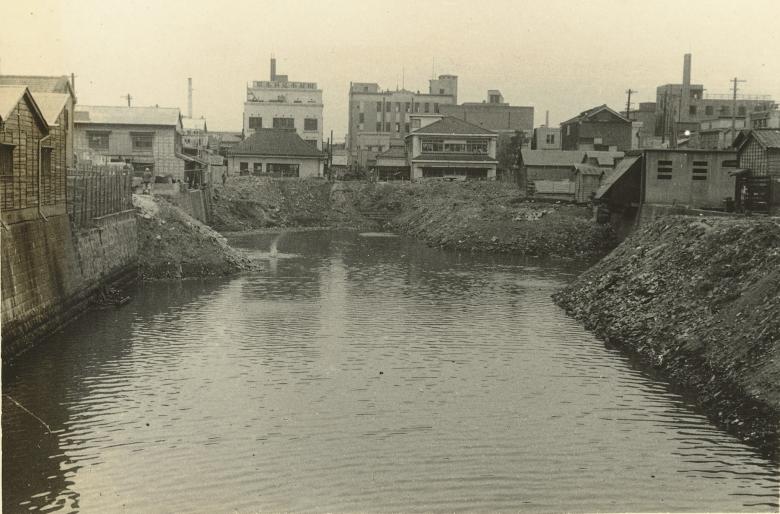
{"x":494,"y":114}
{"x":283,"y":104}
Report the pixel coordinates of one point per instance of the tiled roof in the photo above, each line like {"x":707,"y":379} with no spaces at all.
{"x":9,"y":99}
{"x":51,"y":105}
{"x":279,"y":142}
{"x":595,"y":110}
{"x":40,"y":84}
{"x":552,"y":157}
{"x":453,"y":157}
{"x":117,"y":115}
{"x":452,"y":125}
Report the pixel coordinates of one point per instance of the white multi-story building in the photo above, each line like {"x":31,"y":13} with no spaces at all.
{"x":280,"y":103}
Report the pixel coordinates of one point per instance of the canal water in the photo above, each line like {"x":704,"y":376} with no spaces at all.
{"x":357,"y":373}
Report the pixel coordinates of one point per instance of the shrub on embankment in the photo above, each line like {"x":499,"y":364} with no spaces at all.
{"x":174,"y":245}
{"x":698,"y":298}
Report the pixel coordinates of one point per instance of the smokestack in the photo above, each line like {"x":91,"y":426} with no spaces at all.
{"x":189,"y":97}
{"x":686,"y":88}
{"x":546,"y":118}
{"x":273,"y":68}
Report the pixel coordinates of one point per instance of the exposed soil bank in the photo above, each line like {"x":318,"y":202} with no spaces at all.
{"x":174,"y":245}
{"x":471,"y":216}
{"x":699,"y":299}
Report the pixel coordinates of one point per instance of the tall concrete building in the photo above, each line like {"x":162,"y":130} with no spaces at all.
{"x":283,"y":104}
{"x":378,"y":116}
{"x":681,"y":107}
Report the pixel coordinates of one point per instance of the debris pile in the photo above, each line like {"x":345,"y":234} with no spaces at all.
{"x":174,"y":245}
{"x":700,"y":299}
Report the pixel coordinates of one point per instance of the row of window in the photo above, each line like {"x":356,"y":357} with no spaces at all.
{"x":387,"y":127}
{"x":470,"y":147}
{"x":406,"y":106}
{"x":271,"y":169}
{"x":7,"y":159}
{"x":256,"y":122}
{"x":664,"y":169}
{"x":142,"y":141}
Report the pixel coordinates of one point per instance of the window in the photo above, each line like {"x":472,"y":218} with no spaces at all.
{"x":379,"y":126}
{"x":441,"y":91}
{"x":142,"y":141}
{"x":312,"y":142}
{"x":416,"y":123}
{"x":436,"y":108}
{"x":97,"y":140}
{"x":432,"y":145}
{"x":455,"y":147}
{"x":398,"y":107}
{"x":361,"y":118}
{"x":379,"y":107}
{"x":692,"y":110}
{"x":6,"y":159}
{"x":46,"y":160}
{"x":311,"y":123}
{"x":255,"y":122}
{"x":387,"y":127}
{"x":243,"y":168}
{"x":282,"y":169}
{"x":416,"y":107}
{"x":398,"y":127}
{"x":699,"y":170}
{"x":426,"y":107}
{"x":388,"y":106}
{"x":406,"y":128}
{"x":257,"y":168}
{"x":407,"y":107}
{"x":708,"y":110}
{"x":741,"y":110}
{"x":724,"y":109}
{"x":731,"y":163}
{"x":550,"y":138}
{"x":477,"y":146}
{"x":664,"y":170}
{"x":284,"y":123}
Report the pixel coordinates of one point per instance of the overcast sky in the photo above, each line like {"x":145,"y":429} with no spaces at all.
{"x":561,"y":56}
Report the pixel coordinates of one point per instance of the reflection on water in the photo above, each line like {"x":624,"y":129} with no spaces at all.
{"x":358,"y":374}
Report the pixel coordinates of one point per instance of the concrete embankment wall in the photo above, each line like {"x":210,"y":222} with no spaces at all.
{"x":50,"y":270}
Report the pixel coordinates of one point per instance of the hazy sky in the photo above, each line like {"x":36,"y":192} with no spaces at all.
{"x":561,"y":56}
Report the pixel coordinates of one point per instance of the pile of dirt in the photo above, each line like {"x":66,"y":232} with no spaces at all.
{"x":174,"y":245}
{"x":496,"y":217}
{"x":246,"y":203}
{"x":698,"y":298}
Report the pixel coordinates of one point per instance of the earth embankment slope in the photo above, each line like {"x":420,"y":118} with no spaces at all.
{"x":698,"y":298}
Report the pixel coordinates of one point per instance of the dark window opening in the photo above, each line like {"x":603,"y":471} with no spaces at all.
{"x":6,"y":159}
{"x":255,"y":122}
{"x":142,"y":141}
{"x":284,"y":123}
{"x":97,"y":140}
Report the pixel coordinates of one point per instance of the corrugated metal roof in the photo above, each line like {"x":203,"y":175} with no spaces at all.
{"x":281,"y":142}
{"x":51,"y":105}
{"x":769,"y":138}
{"x":9,"y":99}
{"x":552,"y":157}
{"x":114,"y":115}
{"x":452,"y":125}
{"x":621,"y":169}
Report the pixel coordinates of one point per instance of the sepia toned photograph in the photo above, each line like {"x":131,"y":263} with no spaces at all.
{"x":397,"y":256}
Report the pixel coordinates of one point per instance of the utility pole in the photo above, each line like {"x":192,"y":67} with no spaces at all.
{"x":129,"y":97}
{"x":735,"y":81}
{"x":628,"y":102}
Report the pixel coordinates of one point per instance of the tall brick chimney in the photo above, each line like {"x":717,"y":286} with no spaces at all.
{"x":273,"y":68}
{"x":686,"y":88}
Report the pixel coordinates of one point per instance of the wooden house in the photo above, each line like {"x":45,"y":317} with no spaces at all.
{"x":757,"y":185}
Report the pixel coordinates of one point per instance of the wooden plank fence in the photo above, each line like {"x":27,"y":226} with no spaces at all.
{"x":97,"y":191}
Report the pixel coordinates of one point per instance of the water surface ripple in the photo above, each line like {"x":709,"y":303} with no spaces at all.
{"x":358,"y":374}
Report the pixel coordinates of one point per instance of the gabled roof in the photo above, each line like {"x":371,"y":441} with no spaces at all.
{"x":51,"y":105}
{"x":193,"y":123}
{"x":621,"y":169}
{"x":585,"y":115}
{"x":119,"y":115}
{"x":768,"y":138}
{"x":278,"y":142}
{"x":40,"y":84}
{"x":10,"y":96}
{"x":552,"y":157}
{"x":449,"y":125}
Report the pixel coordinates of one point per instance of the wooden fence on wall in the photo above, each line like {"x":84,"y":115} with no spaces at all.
{"x":96,"y":191}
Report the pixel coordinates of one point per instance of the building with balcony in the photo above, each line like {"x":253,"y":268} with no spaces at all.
{"x":453,"y":149}
{"x":378,"y":116}
{"x":283,"y":104}
{"x":144,"y":137}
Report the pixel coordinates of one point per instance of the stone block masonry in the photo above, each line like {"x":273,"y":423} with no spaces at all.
{"x":50,"y":271}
